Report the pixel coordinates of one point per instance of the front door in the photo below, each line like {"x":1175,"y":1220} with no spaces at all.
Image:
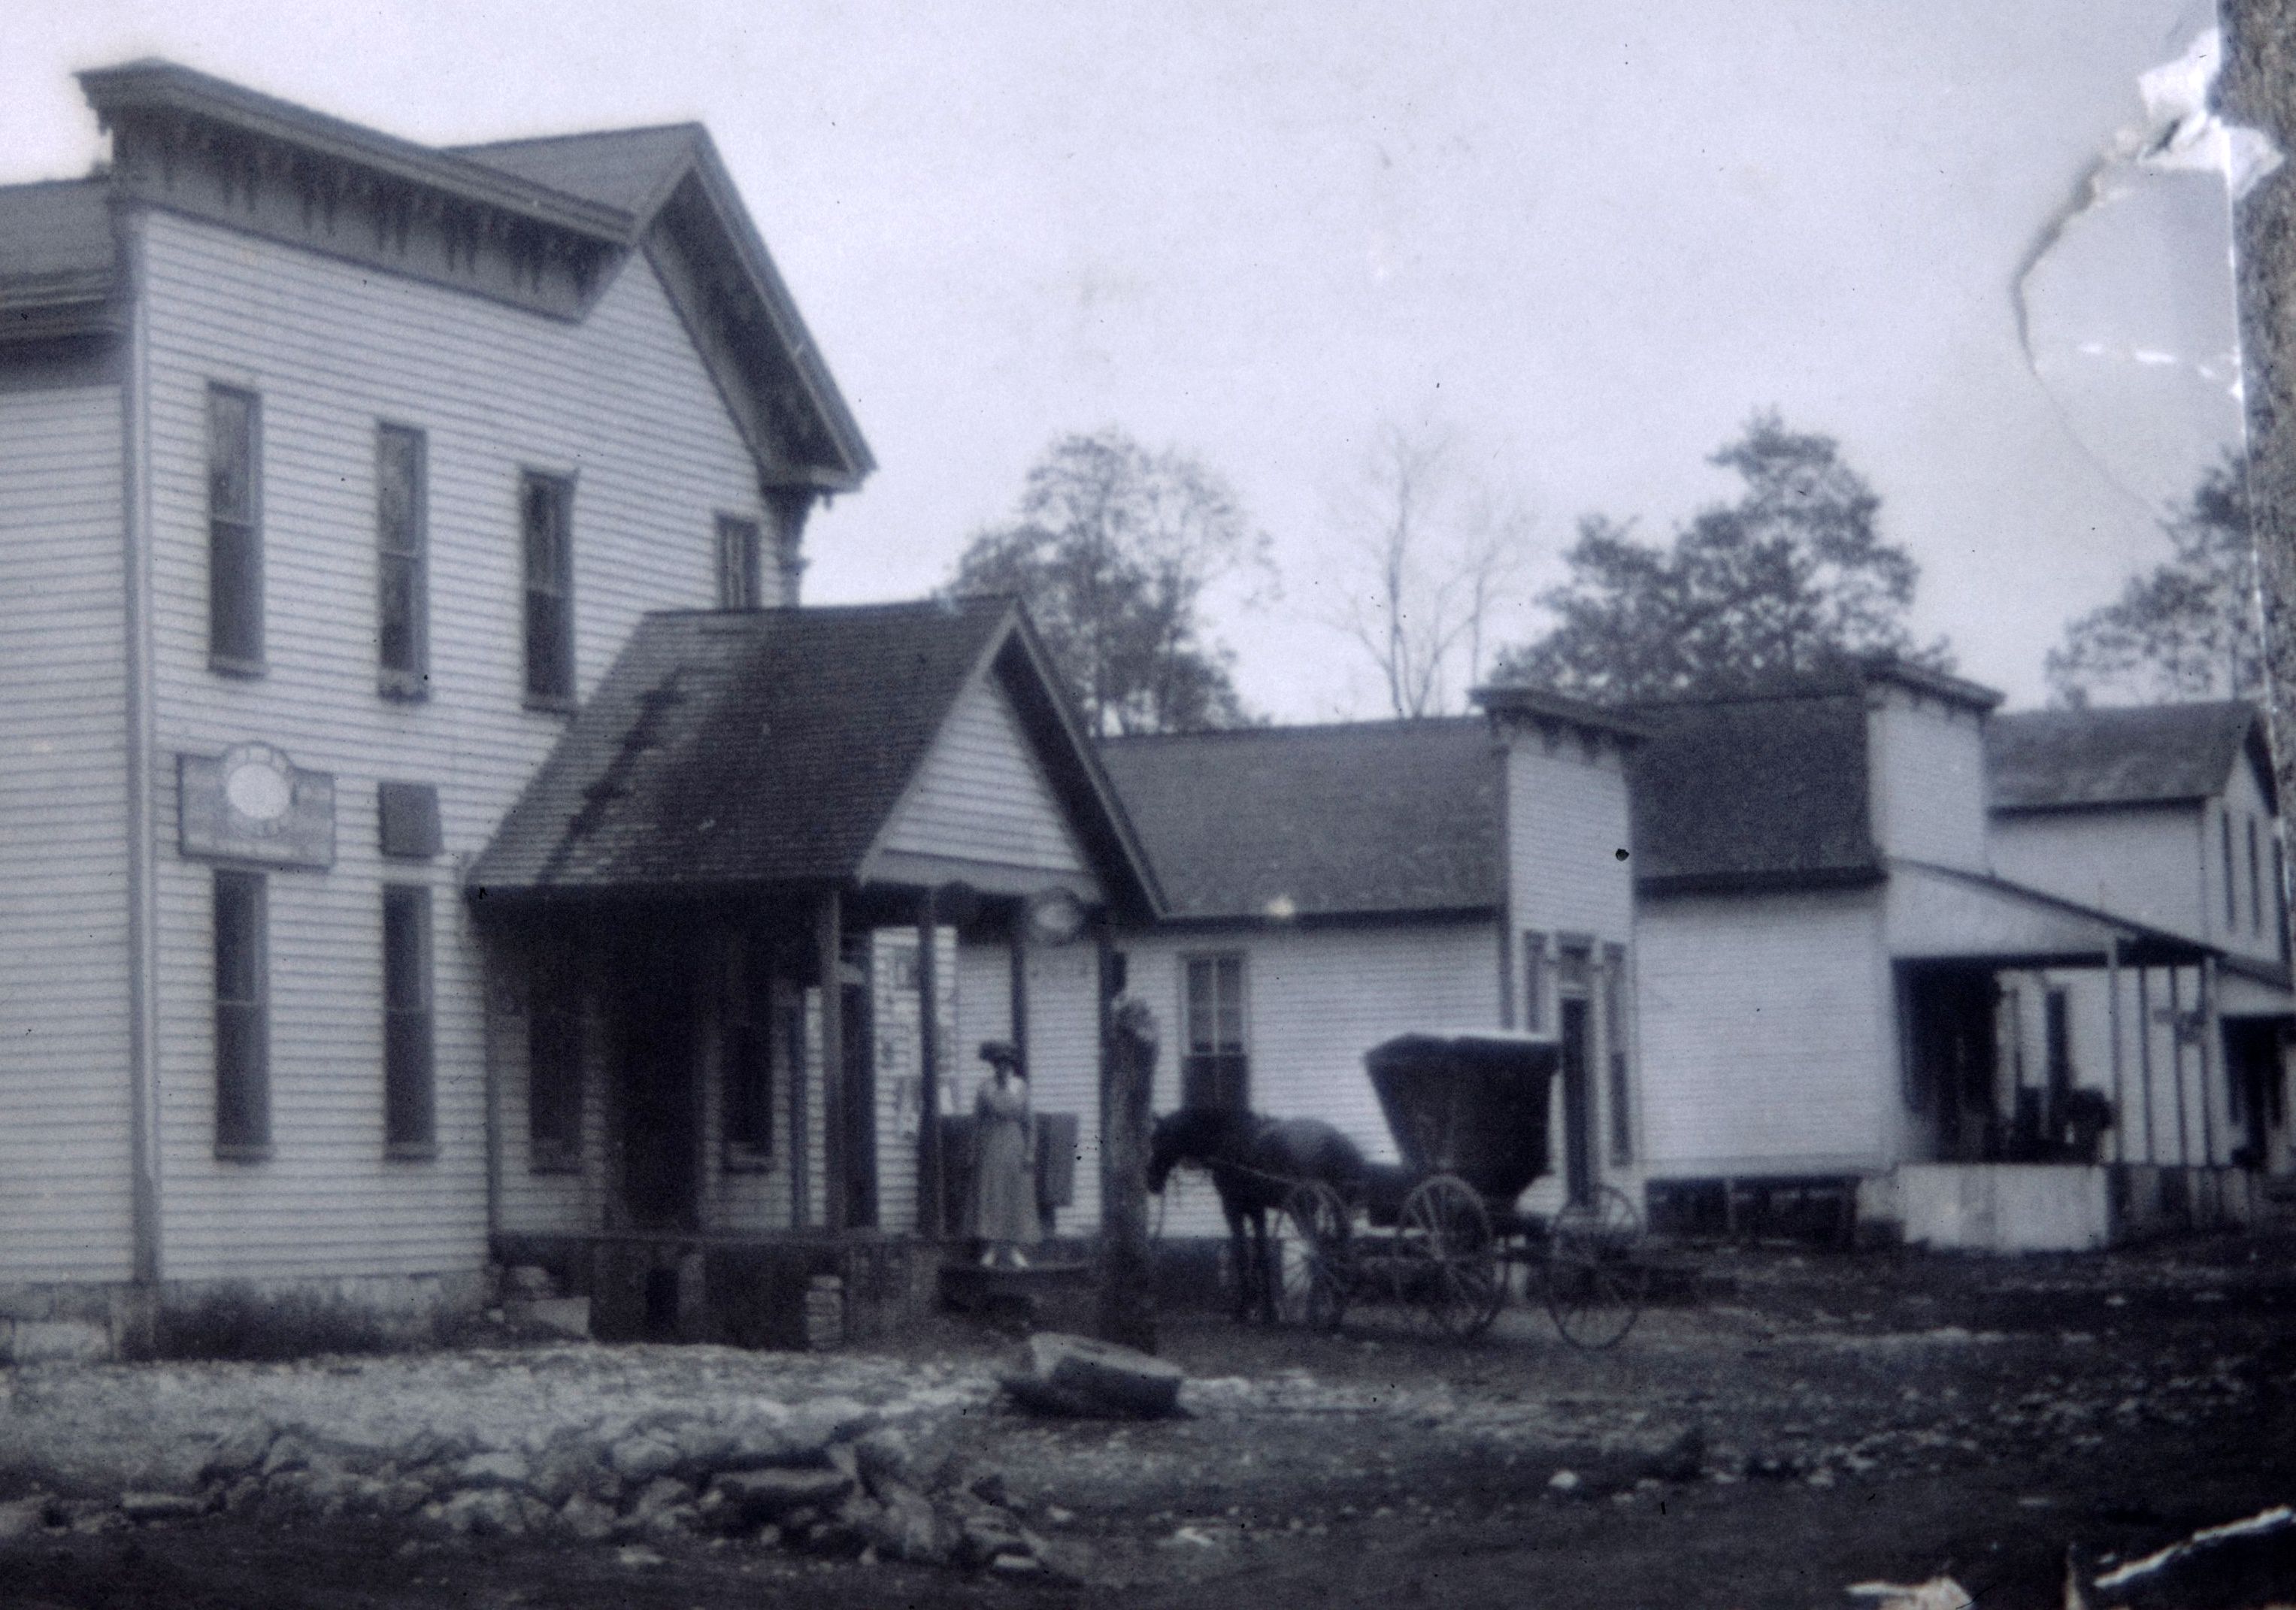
{"x":1578,"y":1102}
{"x":657,"y":1097}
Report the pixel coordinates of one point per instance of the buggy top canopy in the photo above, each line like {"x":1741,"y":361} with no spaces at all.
{"x":1473,"y":1103}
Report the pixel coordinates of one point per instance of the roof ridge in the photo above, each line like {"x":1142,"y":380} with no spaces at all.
{"x":1303,"y":729}
{"x":579,"y":133}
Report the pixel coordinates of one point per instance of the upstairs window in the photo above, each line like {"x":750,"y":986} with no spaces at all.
{"x":2255,"y":882}
{"x":401,"y":541}
{"x":243,"y":1030}
{"x":1216,"y":1071}
{"x":408,"y":1104}
{"x":234,"y":532}
{"x":1534,"y":981}
{"x":546,"y":515}
{"x":740,"y":578}
{"x":2232,"y":916}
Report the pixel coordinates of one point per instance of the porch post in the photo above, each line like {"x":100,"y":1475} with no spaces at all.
{"x":2145,"y":1054}
{"x":2211,"y":1060}
{"x":933,"y":1218}
{"x":829,"y":947}
{"x":1017,"y":954}
{"x":2177,"y":1062}
{"x":2112,"y":1020}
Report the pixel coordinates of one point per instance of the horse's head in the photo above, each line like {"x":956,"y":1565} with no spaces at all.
{"x":1189,"y":1135}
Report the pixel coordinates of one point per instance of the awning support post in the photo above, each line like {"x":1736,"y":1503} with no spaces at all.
{"x":2112,"y":1019}
{"x":933,"y":1217}
{"x":829,"y":946}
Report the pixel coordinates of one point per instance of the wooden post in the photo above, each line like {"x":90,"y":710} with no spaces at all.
{"x":932,"y":1216}
{"x":2145,"y":1054}
{"x":1127,"y":1288}
{"x":829,"y":947}
{"x":2176,"y":1064}
{"x":1017,"y":953}
{"x":2212,"y":1059}
{"x":2112,"y":1019}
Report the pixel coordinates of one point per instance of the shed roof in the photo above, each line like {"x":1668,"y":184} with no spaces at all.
{"x":2054,"y":760}
{"x":730,"y":749}
{"x":1357,"y":818}
{"x":1752,"y":793}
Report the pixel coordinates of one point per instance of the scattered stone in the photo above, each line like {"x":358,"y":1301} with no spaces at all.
{"x":237,"y":1452}
{"x":990,"y":1489}
{"x":639,"y":1558}
{"x":1564,"y":1481}
{"x":884,"y":1455}
{"x":586,"y":1518}
{"x":23,"y":1518}
{"x":663,"y":1494}
{"x":288,"y":1452}
{"x":1019,"y":1565}
{"x":641,"y":1458}
{"x":907,"y":1527}
{"x":773,"y":1495}
{"x":492,"y":1470}
{"x":484,"y":1512}
{"x":824,"y":1421}
{"x":143,"y":1507}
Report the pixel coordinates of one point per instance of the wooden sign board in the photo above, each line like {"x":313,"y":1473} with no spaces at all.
{"x":252,"y":803}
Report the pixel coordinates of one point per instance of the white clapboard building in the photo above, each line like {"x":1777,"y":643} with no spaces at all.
{"x":428,"y":823}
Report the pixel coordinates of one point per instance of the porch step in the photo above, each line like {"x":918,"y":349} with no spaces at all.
{"x":976,"y":1288}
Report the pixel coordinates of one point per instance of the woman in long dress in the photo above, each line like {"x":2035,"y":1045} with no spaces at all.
{"x":1004,"y":1175}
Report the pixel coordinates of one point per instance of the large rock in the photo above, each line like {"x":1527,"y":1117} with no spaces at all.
{"x":759,"y":1496}
{"x":1058,"y":1373}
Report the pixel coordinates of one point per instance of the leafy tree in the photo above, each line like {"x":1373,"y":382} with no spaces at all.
{"x":1792,"y":580}
{"x":1114,"y":547}
{"x":2190,"y":628}
{"x":1434,"y":558}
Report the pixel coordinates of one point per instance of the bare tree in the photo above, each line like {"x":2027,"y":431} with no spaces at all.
{"x":1434,"y":557}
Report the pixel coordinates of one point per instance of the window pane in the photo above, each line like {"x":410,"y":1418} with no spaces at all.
{"x":398,"y":488}
{"x":242,"y":1071}
{"x":235,"y":591}
{"x":549,"y":620}
{"x":737,"y":564}
{"x":231,"y":455}
{"x":400,"y":579}
{"x":407,"y":1079}
{"x":406,"y":948}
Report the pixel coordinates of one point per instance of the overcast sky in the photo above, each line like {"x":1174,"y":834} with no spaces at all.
{"x":1588,"y":240}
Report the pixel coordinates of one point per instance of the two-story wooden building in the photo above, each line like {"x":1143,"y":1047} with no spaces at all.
{"x":337,"y":475}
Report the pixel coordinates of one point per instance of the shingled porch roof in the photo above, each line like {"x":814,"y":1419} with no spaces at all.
{"x":733,"y":751}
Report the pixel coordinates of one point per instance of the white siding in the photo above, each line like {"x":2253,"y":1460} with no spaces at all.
{"x":2252,"y":932}
{"x":1567,"y":820}
{"x":1925,"y":763}
{"x":2143,"y":863}
{"x":981,"y":794}
{"x":64,"y":1101}
{"x":1768,"y":1039}
{"x":1316,"y":1000}
{"x":620,"y":401}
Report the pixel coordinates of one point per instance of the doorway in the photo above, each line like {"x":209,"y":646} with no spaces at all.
{"x":1955,"y":1050}
{"x":1578,"y":1101}
{"x":656,"y":1095}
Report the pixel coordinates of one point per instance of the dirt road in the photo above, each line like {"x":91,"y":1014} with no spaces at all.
{"x":1823,"y":1420}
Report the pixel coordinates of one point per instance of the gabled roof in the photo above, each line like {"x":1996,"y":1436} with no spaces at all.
{"x":2056,"y":760}
{"x":1752,"y":793}
{"x":740,"y":749}
{"x":1361,"y":819}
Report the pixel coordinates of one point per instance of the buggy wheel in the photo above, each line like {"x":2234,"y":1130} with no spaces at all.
{"x":1446,"y":1233}
{"x":1314,"y":1257}
{"x":1596,"y":1279}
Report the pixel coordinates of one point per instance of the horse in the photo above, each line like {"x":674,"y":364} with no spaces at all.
{"x":1255,"y":1162}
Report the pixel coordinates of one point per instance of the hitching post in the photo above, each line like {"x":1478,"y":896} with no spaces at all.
{"x":1127,"y":1290}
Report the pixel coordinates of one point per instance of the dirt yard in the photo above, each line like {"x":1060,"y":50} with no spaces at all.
{"x":1818,"y":1420}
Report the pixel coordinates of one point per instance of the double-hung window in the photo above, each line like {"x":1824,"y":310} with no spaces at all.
{"x":234,"y":531}
{"x":553,"y":1063}
{"x":1215,"y":1070}
{"x":546,"y":518}
{"x":243,"y":1030}
{"x":401,"y":518}
{"x":408,"y":1104}
{"x":740,"y":583}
